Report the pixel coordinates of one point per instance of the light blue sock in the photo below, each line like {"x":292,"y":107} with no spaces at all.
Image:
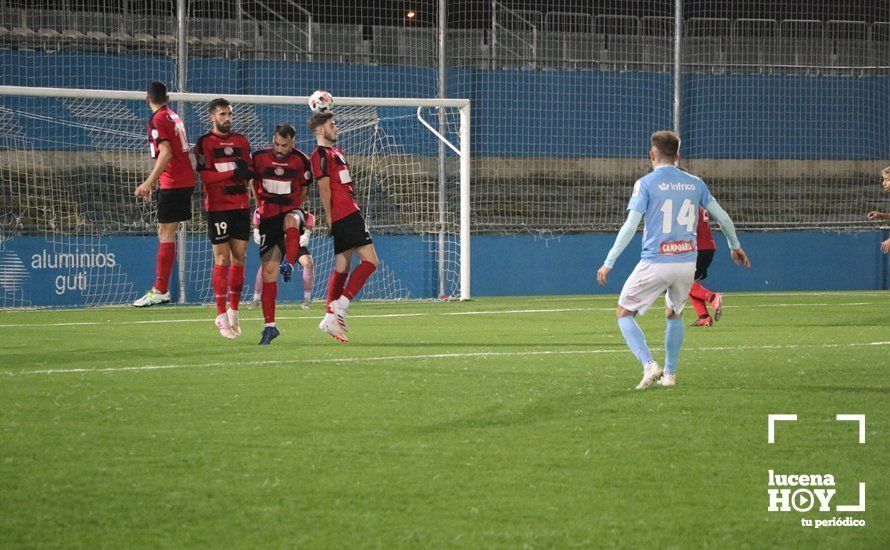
{"x":673,"y":341}
{"x":635,"y":339}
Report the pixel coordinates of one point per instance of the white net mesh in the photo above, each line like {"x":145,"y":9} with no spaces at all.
{"x":70,"y":178}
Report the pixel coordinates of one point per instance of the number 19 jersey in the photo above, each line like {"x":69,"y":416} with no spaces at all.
{"x":669,"y":199}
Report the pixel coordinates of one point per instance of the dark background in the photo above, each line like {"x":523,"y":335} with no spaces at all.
{"x":476,"y":13}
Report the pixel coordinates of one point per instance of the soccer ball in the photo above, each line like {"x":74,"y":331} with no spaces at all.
{"x":321,"y":102}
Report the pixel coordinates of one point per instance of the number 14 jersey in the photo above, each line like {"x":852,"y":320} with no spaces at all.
{"x":669,"y":199}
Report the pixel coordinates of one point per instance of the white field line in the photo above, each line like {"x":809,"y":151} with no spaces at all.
{"x":553,"y":298}
{"x":399,"y":315}
{"x":482,"y":354}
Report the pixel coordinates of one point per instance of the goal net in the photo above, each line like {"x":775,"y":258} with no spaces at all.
{"x":72,"y":230}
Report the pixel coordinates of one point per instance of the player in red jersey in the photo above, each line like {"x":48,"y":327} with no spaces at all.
{"x":700,"y":296}
{"x":223,"y":162}
{"x":346,"y":224}
{"x":169,"y":146}
{"x":874,"y":215}
{"x":283,"y":177}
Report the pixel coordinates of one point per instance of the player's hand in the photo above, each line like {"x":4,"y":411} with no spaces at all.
{"x":601,"y":275}
{"x":256,"y":235}
{"x":874,"y":215}
{"x":740,"y":258}
{"x":144,"y":190}
{"x":885,"y":247}
{"x":242,"y":170}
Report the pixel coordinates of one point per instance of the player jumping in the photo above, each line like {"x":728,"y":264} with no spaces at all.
{"x":345,"y":221}
{"x":698,"y":294}
{"x":169,"y":147}
{"x":284,"y":174}
{"x":669,"y":199}
{"x":223,"y":162}
{"x":874,"y":215}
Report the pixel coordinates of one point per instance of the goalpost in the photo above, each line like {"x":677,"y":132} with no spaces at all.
{"x":73,"y":234}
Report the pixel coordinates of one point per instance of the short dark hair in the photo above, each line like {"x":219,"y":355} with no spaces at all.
{"x":285,"y":130}
{"x":218,"y":103}
{"x":666,"y":144}
{"x":157,"y":92}
{"x":317,"y":119}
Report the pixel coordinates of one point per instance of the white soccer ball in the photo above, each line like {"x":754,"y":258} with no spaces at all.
{"x":321,"y":102}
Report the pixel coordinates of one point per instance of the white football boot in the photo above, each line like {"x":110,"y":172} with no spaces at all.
{"x":152,"y":298}
{"x":651,"y":372}
{"x":329,"y":325}
{"x":667,"y":380}
{"x":234,"y":321}
{"x":222,"y":323}
{"x":340,"y":307}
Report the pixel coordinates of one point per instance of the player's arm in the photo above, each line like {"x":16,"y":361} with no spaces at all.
{"x":324,"y":191}
{"x":625,"y":235}
{"x":165,"y":154}
{"x":728,"y":228}
{"x":875,"y":215}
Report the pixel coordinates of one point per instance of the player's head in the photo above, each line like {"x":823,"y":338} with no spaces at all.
{"x":157,"y":93}
{"x":283,"y":139}
{"x":886,"y":173}
{"x":323,"y":126}
{"x":220,"y":115}
{"x":665,"y":147}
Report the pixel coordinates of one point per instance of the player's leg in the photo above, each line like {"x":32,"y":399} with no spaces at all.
{"x":699,"y":304}
{"x":355,"y":233}
{"x":680,"y":277}
{"x":305,"y":259}
{"x":257,"y":289}
{"x":238,"y":250}
{"x":639,"y":292}
{"x":342,"y":262}
{"x":220,"y":281}
{"x":292,"y":225}
{"x":174,"y":206}
{"x":271,"y":258}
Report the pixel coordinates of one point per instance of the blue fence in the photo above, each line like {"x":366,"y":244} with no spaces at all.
{"x":542,"y":113}
{"x":38,"y":273}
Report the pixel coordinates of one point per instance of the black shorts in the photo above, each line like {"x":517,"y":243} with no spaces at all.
{"x":228,"y":224}
{"x":272,"y":236}
{"x":350,"y":232}
{"x":175,"y":205}
{"x":702,"y":263}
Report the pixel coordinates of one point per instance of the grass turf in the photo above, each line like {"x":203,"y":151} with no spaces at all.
{"x":498,"y":422}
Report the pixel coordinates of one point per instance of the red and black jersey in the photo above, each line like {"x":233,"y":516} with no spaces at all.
{"x":331,"y":162}
{"x":280,"y":185}
{"x":703,"y":232}
{"x":165,"y":125}
{"x":215,"y":156}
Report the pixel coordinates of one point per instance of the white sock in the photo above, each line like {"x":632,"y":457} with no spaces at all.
{"x":307,"y":295}
{"x":270,"y":324}
{"x":343,"y":301}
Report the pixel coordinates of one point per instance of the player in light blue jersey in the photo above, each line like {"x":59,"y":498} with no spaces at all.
{"x":668,"y":198}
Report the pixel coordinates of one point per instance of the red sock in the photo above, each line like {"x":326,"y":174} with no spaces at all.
{"x":335,"y":287}
{"x":270,"y":292}
{"x":291,"y":245}
{"x":701,"y":292}
{"x":358,"y":278}
{"x":236,"y":285}
{"x":220,"y":286}
{"x":166,"y":255}
{"x":701,"y":309}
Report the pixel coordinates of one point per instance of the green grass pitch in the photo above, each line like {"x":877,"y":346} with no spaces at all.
{"x":492,"y":423}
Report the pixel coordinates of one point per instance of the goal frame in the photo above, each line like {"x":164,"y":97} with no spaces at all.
{"x":463,"y":149}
